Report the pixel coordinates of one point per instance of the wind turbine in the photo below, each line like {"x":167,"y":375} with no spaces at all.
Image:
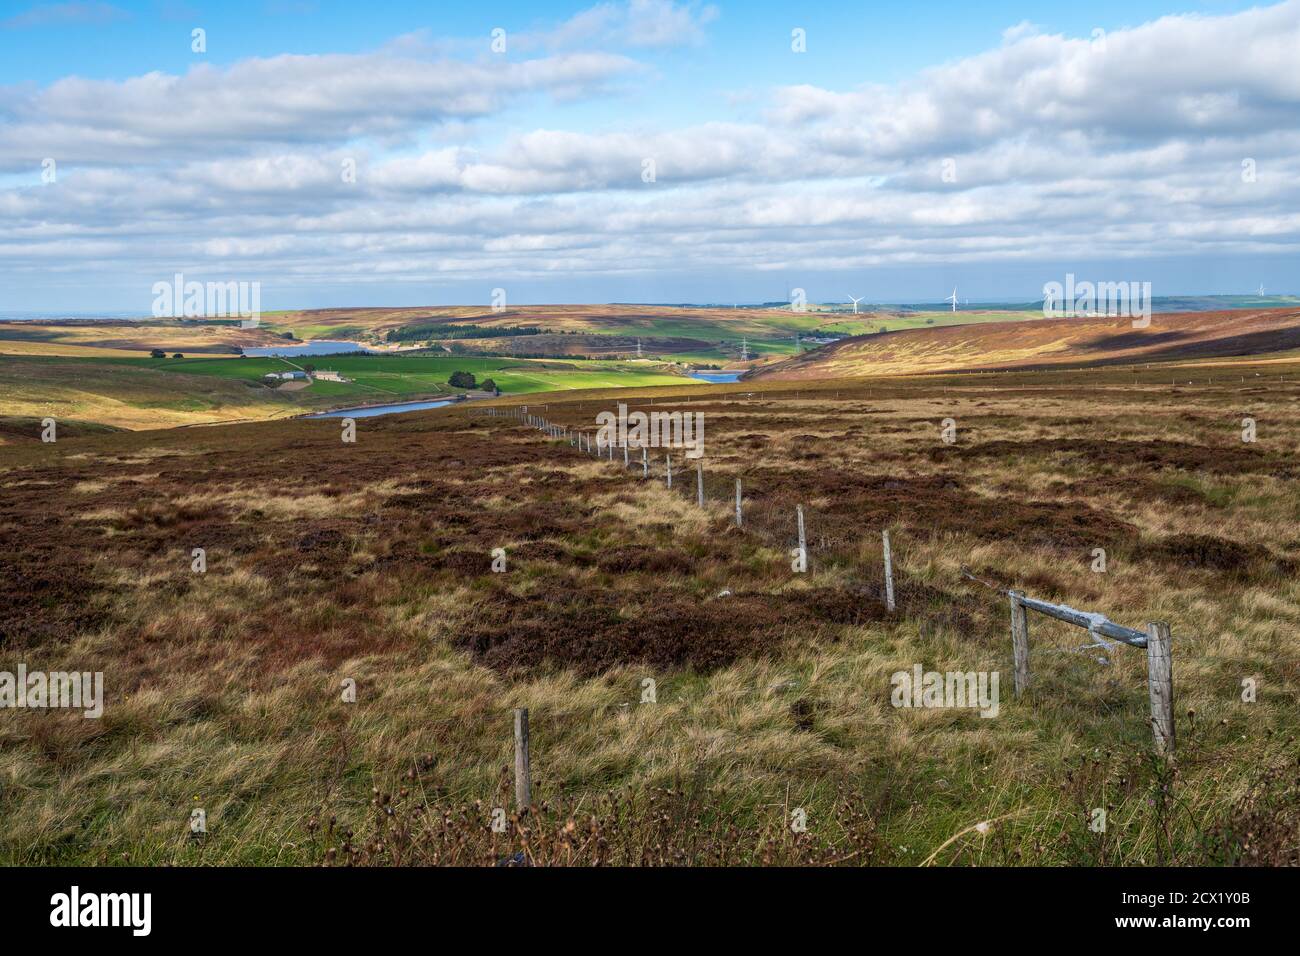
{"x":953,"y":298}
{"x":1261,"y":289}
{"x":855,"y":303}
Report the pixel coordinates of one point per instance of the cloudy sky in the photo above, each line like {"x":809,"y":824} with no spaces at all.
{"x":392,"y":153}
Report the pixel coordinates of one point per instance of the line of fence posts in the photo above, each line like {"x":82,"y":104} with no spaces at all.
{"x":578,"y":439}
{"x":1156,"y":640}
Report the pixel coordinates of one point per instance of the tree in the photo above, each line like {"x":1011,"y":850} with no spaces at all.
{"x":461,"y":380}
{"x":488,"y":385}
{"x":157,"y":353}
{"x":178,"y":355}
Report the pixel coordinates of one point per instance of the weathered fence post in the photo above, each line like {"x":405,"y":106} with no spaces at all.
{"x":699,"y":482}
{"x":668,"y":469}
{"x":1160,"y":684}
{"x":625,"y":458}
{"x":889,"y":574}
{"x":523,"y":771}
{"x":1019,"y":641}
{"x":803,"y":544}
{"x":739,"y":518}
{"x":645,"y":462}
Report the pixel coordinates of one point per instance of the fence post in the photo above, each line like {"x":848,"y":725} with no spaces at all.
{"x":889,"y":574}
{"x":699,"y":482}
{"x":1020,"y":640}
{"x":803,"y":544}
{"x":523,"y":771}
{"x":668,"y":469}
{"x":625,"y":458}
{"x":739,"y":519}
{"x":1160,"y":684}
{"x":645,"y":462}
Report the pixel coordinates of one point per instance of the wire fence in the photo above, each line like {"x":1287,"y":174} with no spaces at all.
{"x":771,"y":510}
{"x":760,"y":506}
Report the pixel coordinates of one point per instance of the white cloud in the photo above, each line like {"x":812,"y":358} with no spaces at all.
{"x":634,"y":23}
{"x":64,"y":14}
{"x":282,"y":99}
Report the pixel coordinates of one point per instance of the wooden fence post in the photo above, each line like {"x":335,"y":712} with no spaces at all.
{"x":523,"y":770}
{"x":699,"y":482}
{"x":668,"y":469}
{"x":1019,"y":640}
{"x":803,"y":544}
{"x":645,"y":462}
{"x":625,"y":458}
{"x":1160,"y":684}
{"x":739,"y":518}
{"x":889,"y":575}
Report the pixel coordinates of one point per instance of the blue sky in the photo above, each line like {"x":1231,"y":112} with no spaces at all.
{"x":1115,"y":154}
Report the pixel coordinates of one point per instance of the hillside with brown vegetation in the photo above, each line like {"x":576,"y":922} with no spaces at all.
{"x":1043,"y":343}
{"x":328,"y":561}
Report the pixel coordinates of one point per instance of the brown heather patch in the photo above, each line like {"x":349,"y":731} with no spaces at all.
{"x":1149,"y":455}
{"x":1211,"y":553}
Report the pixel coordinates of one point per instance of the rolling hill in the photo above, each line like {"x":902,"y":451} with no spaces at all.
{"x":1039,"y":343}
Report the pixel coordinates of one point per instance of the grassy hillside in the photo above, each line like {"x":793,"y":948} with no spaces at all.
{"x":371,"y":562}
{"x":124,"y":339}
{"x":1049,"y":342}
{"x":157,"y":393}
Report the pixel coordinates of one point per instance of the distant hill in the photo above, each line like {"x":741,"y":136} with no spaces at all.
{"x":1047,"y":343}
{"x":1163,"y":304}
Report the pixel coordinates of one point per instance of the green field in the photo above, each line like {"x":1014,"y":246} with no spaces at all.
{"x":155,"y":393}
{"x":376,"y":376}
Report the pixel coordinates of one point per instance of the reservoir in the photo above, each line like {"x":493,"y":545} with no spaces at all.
{"x":717,"y":377}
{"x":321,"y":347}
{"x":370,"y":411}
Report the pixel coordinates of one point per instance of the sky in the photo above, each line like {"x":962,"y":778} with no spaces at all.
{"x":644,"y":150}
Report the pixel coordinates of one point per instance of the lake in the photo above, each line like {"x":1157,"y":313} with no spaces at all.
{"x":318,"y":347}
{"x":717,"y":377}
{"x":370,"y":411}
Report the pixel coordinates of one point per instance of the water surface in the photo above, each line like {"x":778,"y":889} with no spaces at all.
{"x":369,"y":411}
{"x":717,"y":377}
{"x":316,"y":347}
